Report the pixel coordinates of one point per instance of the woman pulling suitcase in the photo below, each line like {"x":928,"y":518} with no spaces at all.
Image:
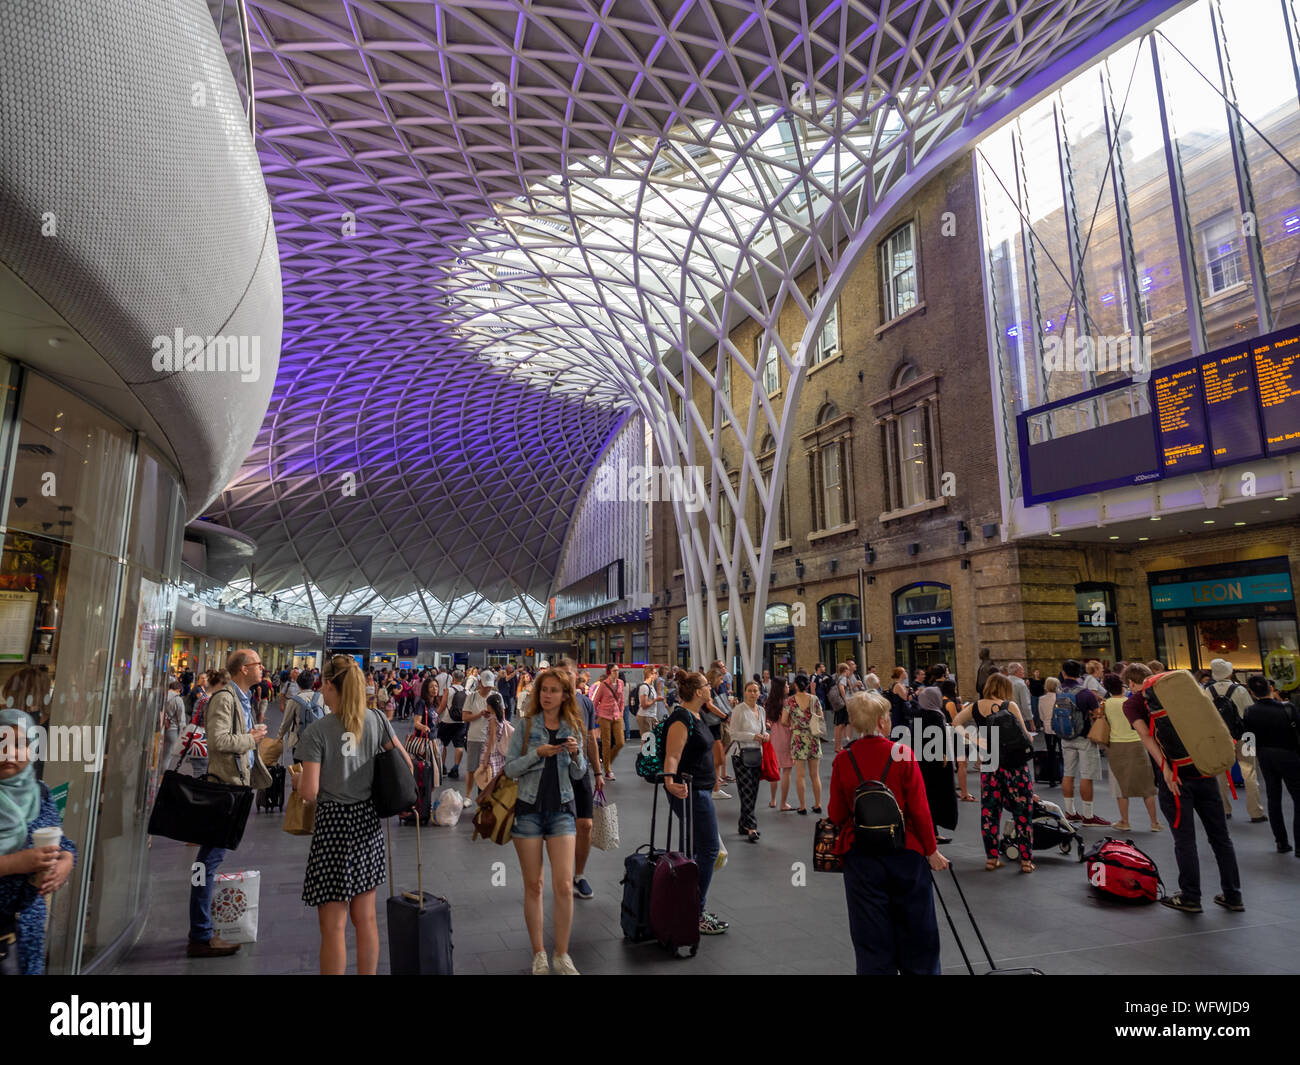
{"x":346,"y":861}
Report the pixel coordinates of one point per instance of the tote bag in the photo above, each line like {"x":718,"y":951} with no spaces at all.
{"x":299,"y":814}
{"x":206,"y":812}
{"x":393,"y":789}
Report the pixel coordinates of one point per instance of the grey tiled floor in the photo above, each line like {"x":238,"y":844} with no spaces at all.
{"x":778,"y":925}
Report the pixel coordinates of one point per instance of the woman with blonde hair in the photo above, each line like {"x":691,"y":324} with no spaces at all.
{"x":546,"y":756}
{"x":891,"y":907}
{"x":346,"y":861}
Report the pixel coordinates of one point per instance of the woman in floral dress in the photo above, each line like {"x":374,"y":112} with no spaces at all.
{"x":805,"y":746}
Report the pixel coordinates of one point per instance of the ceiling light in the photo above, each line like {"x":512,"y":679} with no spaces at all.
{"x":1114,"y":537}
{"x":1238,"y":523}
{"x":1155,"y":519}
{"x":1140,"y":538}
{"x":1280,"y":499}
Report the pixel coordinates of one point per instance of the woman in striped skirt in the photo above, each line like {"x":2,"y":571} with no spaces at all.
{"x":346,"y":861}
{"x":748,"y":733}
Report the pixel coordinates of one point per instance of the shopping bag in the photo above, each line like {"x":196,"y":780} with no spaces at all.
{"x":299,"y":815}
{"x":234,"y":906}
{"x":269,"y":751}
{"x":604,"y":824}
{"x":771,"y":770}
{"x":721,"y":859}
{"x":447,"y":811}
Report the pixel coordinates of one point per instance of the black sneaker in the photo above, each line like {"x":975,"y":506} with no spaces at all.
{"x":1258,"y":820}
{"x":1235,"y":907}
{"x":453,"y":774}
{"x":1284,"y":848}
{"x":1177,"y":902}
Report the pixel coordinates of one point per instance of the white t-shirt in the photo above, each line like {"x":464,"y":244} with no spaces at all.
{"x":478,"y":728}
{"x":654,"y":709}
{"x":443,"y":680}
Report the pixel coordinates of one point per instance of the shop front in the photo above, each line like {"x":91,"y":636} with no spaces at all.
{"x":839,"y":626}
{"x":923,"y":632}
{"x":778,"y":640}
{"x":1243,"y":612}
{"x":684,"y":643}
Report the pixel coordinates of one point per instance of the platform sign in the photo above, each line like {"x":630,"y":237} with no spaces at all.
{"x":1180,"y":419}
{"x":1277,"y":374}
{"x":1231,"y":406}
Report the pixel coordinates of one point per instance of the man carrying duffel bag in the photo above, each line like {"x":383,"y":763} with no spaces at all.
{"x":1183,"y":732}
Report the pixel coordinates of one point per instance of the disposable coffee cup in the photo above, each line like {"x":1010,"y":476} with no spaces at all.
{"x":50,"y":836}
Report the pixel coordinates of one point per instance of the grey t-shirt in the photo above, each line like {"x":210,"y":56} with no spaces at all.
{"x":344,"y":778}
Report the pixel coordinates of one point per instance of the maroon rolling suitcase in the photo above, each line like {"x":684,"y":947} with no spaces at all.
{"x":675,"y":888}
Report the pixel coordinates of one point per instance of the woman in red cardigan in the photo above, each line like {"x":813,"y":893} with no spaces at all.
{"x":891,"y":906}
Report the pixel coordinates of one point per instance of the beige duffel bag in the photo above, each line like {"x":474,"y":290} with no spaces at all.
{"x":1188,"y":726}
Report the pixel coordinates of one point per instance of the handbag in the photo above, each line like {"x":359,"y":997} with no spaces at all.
{"x":817,"y":725}
{"x":420,"y":747}
{"x":299,"y":814}
{"x":771,"y":769}
{"x":393,"y":789}
{"x":495,"y":815}
{"x":202,"y":811}
{"x":604,"y":824}
{"x":1100,"y":731}
{"x":825,"y":835}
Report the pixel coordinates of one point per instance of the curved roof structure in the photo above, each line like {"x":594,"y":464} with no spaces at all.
{"x":503,"y":224}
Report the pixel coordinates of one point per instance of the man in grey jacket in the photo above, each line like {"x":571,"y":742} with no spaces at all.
{"x":232,"y":759}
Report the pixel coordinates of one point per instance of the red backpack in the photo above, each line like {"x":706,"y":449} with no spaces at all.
{"x":1117,"y":867}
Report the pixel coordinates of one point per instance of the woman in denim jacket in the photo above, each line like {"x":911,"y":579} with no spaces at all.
{"x":546,"y":756}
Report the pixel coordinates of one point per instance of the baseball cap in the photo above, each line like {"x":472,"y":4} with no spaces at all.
{"x":487,"y":679}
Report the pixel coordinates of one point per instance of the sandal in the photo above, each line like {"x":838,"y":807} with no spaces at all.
{"x":787,"y":809}
{"x":968,"y":798}
{"x":1027,"y":867}
{"x":992,"y":864}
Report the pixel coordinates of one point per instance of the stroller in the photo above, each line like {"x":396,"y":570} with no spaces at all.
{"x":1051,"y":828}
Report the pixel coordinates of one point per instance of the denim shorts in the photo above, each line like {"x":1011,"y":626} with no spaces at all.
{"x":541,"y":825}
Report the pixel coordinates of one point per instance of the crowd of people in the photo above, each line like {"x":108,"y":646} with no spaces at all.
{"x":559,"y":734}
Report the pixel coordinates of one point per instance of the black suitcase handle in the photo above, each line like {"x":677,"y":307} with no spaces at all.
{"x":951,"y":924}
{"x":688,"y":829}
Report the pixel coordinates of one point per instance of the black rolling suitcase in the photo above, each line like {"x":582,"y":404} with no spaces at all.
{"x":419,"y":926}
{"x":272,"y":796}
{"x":993,"y":968}
{"x":638,"y":876}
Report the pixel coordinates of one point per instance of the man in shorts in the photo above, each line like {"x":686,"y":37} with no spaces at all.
{"x":1082,"y":756}
{"x":451,"y":730}
{"x":584,"y":791}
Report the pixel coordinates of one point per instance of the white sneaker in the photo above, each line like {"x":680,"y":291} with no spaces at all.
{"x":564,"y":966}
{"x":720,"y":794}
{"x":540,"y":968}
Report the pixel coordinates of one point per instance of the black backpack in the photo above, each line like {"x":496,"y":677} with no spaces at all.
{"x":1014,"y":748}
{"x":877,"y":818}
{"x":456,"y":708}
{"x":1228,"y":709}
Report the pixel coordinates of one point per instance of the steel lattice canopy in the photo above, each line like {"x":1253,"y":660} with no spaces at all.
{"x":503,"y":224}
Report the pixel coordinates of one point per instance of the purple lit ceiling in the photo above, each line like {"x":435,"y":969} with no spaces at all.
{"x":502,"y":225}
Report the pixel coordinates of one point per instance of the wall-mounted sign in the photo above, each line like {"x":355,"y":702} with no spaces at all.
{"x":934,"y":621}
{"x":1252,"y":588}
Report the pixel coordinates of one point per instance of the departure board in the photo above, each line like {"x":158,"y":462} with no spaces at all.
{"x":1180,"y":413}
{"x":1231,"y":409}
{"x":1277,"y":369}
{"x":1228,"y":406}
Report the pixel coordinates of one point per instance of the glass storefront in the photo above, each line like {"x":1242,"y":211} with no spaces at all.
{"x":1244,"y":612}
{"x":88,"y":583}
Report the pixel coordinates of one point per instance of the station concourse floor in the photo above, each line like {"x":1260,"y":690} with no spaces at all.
{"x":780,"y":922}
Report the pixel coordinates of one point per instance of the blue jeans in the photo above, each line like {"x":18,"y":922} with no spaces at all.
{"x":891,"y":914}
{"x":704,"y":833}
{"x":201,"y":894}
